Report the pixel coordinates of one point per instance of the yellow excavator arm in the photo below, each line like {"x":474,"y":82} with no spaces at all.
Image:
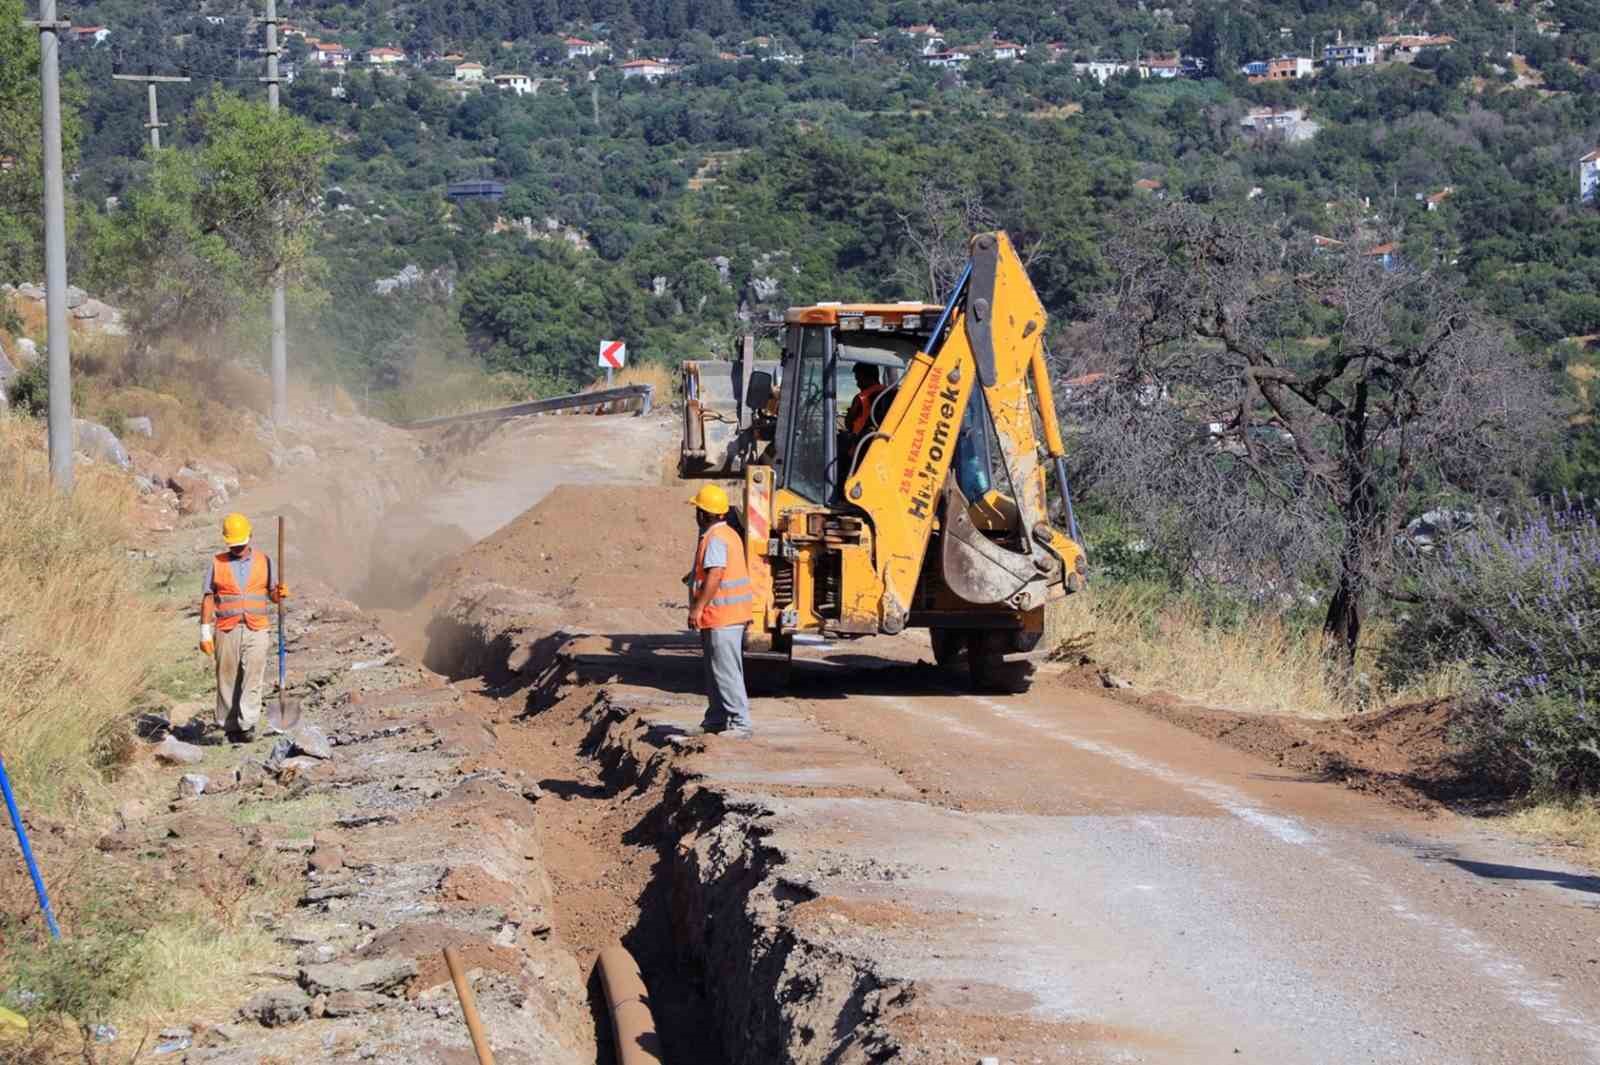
{"x":982,"y":357}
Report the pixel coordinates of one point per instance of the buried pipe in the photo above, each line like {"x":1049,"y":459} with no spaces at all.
{"x":469,"y":1007}
{"x":627,"y":1000}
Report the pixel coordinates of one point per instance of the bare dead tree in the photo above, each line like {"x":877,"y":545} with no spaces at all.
{"x":938,"y":231}
{"x":1277,"y":409}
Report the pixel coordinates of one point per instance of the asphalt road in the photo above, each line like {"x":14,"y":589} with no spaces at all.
{"x":1125,"y":890}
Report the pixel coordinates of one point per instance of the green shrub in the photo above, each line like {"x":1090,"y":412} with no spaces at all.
{"x":1520,"y":604}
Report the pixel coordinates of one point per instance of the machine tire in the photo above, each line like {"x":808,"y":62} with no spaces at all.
{"x":988,"y":669}
{"x":769,"y":672}
{"x":948,"y":646}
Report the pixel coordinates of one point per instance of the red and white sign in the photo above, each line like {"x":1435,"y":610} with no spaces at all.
{"x":613,"y":354}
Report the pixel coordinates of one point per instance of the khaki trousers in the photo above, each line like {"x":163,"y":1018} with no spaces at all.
{"x":241,"y":663}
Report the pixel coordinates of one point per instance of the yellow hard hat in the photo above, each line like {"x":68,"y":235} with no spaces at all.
{"x":235,"y":530}
{"x":711,"y":499}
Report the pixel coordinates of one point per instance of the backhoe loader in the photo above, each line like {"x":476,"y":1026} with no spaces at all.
{"x":935,"y":514}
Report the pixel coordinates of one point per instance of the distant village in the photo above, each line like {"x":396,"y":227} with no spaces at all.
{"x":930,"y":48}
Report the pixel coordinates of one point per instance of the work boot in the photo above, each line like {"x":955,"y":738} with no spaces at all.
{"x":707,"y":725}
{"x":237,"y":737}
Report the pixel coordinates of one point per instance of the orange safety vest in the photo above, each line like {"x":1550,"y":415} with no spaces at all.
{"x":861,"y":408}
{"x":238,"y":599}
{"x":732,"y":605}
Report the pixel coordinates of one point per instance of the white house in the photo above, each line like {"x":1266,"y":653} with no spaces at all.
{"x":1339,"y":54}
{"x":947,"y":60}
{"x":90,"y":34}
{"x":1101,"y":70}
{"x":469,"y":72}
{"x":1589,"y":177}
{"x":578,"y":48}
{"x":648,"y":69}
{"x":1292,"y":124}
{"x":385,"y":57}
{"x":520,"y":84}
{"x":330,"y":55}
{"x":1007,"y":50}
{"x":928,"y":37}
{"x":1161,"y":66}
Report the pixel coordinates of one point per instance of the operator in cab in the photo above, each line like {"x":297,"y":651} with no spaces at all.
{"x":721,"y":606}
{"x":868,"y":387}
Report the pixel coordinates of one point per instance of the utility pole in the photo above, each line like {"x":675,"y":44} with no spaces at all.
{"x":152,"y":80}
{"x":55,"y":248}
{"x":280,"y":328}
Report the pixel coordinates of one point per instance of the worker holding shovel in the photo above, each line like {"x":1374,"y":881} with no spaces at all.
{"x":235,"y":625}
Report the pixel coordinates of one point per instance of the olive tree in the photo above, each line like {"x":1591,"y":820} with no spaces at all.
{"x":1275,"y":409}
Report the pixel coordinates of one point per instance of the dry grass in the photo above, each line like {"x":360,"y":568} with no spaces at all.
{"x":1258,"y":663}
{"x":442,"y":387}
{"x":73,"y":646}
{"x":664,"y":379}
{"x":1573,"y":823}
{"x":187,"y":959}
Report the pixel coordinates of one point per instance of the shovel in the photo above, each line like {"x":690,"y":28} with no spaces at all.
{"x":285,"y":715}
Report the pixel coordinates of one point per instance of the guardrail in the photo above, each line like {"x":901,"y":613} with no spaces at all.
{"x":645,"y":394}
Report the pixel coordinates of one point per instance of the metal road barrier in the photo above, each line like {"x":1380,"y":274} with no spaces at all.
{"x":645,"y":394}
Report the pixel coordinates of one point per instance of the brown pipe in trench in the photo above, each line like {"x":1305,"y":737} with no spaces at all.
{"x":628,"y":1003}
{"x":469,"y":1007}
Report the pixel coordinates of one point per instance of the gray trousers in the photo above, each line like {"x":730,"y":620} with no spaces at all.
{"x":722,"y":652}
{"x":241,"y":665}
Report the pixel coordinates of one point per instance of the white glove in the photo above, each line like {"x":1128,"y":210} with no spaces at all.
{"x":206,"y":634}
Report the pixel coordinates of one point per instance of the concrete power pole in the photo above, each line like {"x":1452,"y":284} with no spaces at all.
{"x":280,"y":327}
{"x":152,"y":80}
{"x":55,"y":249}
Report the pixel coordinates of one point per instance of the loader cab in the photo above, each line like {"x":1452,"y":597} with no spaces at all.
{"x":822,"y":346}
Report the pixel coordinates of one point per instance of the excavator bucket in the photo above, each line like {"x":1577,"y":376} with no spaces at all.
{"x":718,"y":441}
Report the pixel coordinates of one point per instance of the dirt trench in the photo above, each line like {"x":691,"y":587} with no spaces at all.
{"x":738,"y":969}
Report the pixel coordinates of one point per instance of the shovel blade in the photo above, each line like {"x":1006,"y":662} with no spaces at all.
{"x":283,"y":715}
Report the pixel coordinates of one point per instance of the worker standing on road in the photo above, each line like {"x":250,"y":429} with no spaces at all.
{"x":720,"y":604}
{"x":235,"y":626}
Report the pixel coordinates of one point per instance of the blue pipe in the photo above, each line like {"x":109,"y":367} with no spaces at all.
{"x":27,"y":853}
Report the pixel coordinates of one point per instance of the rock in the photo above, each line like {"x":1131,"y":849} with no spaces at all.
{"x":533,"y":793}
{"x":311,"y":741}
{"x":280,"y":1006}
{"x":324,"y":892}
{"x":32,"y":292}
{"x":176,"y":1033}
{"x":177,"y":752}
{"x":88,"y":309}
{"x":295,"y":767}
{"x":152,"y":726}
{"x":132,"y":811}
{"x":317,"y":954}
{"x":75,"y":297}
{"x":27,"y":351}
{"x":327,"y":858}
{"x":196,"y":495}
{"x":299,"y":455}
{"x":97,"y":441}
{"x":7,"y":371}
{"x":192,"y":785}
{"x":351,"y":1003}
{"x":139,"y":426}
{"x":378,"y":974}
{"x":249,"y":773}
{"x":1111,"y":680}
{"x":281,"y":750}
{"x":988,"y":1061}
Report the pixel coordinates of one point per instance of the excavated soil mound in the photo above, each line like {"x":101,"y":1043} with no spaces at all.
{"x":1403,"y":754}
{"x":588,"y":542}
